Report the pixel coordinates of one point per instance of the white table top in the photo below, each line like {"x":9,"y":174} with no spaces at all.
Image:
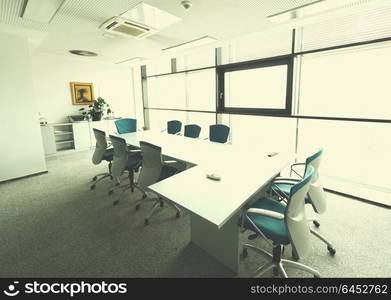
{"x":243,"y":173}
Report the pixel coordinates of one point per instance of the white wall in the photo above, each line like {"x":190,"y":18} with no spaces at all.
{"x":52,"y":75}
{"x":21,"y":151}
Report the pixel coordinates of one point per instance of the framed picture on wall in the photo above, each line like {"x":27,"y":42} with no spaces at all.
{"x":82,"y":93}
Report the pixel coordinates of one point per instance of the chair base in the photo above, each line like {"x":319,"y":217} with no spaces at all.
{"x":96,"y":179}
{"x":276,"y":263}
{"x":159,"y":202}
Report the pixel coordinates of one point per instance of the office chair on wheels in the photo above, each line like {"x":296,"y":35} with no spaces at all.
{"x":126,"y":125}
{"x":102,"y":152}
{"x":218,"y":133}
{"x":173,"y":127}
{"x":283,"y":225}
{"x":124,"y":160}
{"x":153,"y":170}
{"x":192,"y":131}
{"x":315,"y":196}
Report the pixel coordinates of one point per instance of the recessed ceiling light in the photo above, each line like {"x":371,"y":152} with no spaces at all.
{"x":192,"y":44}
{"x":316,"y":7}
{"x":83,"y":53}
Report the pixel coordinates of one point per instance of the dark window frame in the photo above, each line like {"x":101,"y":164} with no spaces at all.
{"x":283,"y":60}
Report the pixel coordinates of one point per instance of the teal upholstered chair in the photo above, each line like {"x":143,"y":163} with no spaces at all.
{"x":192,"y":131}
{"x":218,"y":133}
{"x":126,"y":125}
{"x":153,"y":170}
{"x":102,"y":152}
{"x":174,"y":127}
{"x":124,"y":160}
{"x":315,"y":197}
{"x":282,"y":225}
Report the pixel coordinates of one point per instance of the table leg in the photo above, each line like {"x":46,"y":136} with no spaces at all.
{"x":222,"y":244}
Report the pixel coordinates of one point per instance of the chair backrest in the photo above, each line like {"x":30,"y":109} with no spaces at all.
{"x":192,"y":131}
{"x":126,"y":125}
{"x":174,"y":126}
{"x":295,"y":216}
{"x":316,"y":192}
{"x":101,"y":146}
{"x":120,"y":157}
{"x":218,"y":133}
{"x":152,"y":164}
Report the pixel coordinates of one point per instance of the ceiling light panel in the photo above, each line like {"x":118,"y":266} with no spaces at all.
{"x":151,"y":16}
{"x":41,"y":11}
{"x":191,"y":44}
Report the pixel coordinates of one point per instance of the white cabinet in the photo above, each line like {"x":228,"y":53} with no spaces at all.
{"x":76,"y":135}
{"x":81,"y":135}
{"x":49,"y":144}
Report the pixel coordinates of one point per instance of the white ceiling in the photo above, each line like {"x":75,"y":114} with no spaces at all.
{"x":75,"y":26}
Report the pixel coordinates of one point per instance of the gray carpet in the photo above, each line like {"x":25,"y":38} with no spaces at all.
{"x":52,"y":225}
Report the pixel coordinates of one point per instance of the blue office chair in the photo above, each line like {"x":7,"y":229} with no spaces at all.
{"x":218,"y":133}
{"x":102,"y":152}
{"x":192,"y":131}
{"x":283,"y":225}
{"x":124,"y":160}
{"x":126,"y":125}
{"x":174,"y":126}
{"x":315,"y":196}
{"x":153,"y":170}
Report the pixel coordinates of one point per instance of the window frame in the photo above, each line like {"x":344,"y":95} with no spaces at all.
{"x":284,"y":60}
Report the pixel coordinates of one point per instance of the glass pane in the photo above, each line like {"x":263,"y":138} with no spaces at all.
{"x":347,"y":83}
{"x":256,"y":88}
{"x":167,"y":91}
{"x":196,"y":59}
{"x":201,"y":90}
{"x":266,"y":134}
{"x":355,"y":151}
{"x":256,"y":46}
{"x":158,"y":118}
{"x":204,"y":120}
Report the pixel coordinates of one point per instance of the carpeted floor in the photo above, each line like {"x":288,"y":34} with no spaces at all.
{"x":52,"y":225}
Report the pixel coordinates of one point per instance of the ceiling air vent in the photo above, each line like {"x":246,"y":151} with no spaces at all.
{"x":128,"y":28}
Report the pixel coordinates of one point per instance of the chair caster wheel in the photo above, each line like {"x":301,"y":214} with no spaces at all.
{"x":244,"y":253}
{"x":332,"y":251}
{"x":117,"y":184}
{"x":111,"y":192}
{"x":316,"y":223}
{"x":137,"y":207}
{"x":178,"y":214}
{"x":144,"y":196}
{"x":161,"y":204}
{"x":111,"y":177}
{"x":115,"y":202}
{"x":95,"y":178}
{"x":92,"y":187}
{"x":146,"y":222}
{"x":316,"y":276}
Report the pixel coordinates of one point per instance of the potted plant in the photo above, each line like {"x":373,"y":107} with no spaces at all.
{"x":97,"y":110}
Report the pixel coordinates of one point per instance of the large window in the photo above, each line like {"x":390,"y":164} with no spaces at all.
{"x":350,"y":82}
{"x":256,"y":87}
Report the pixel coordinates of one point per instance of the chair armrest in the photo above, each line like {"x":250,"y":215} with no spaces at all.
{"x":293,"y":169}
{"x":267,"y":213}
{"x":286,"y":180}
{"x":134,"y":151}
{"x":169,"y":161}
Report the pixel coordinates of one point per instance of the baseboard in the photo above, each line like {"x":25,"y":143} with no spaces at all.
{"x":22,"y":177}
{"x":357,"y":198}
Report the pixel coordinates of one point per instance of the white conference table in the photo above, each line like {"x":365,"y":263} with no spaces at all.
{"x":215,"y":206}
